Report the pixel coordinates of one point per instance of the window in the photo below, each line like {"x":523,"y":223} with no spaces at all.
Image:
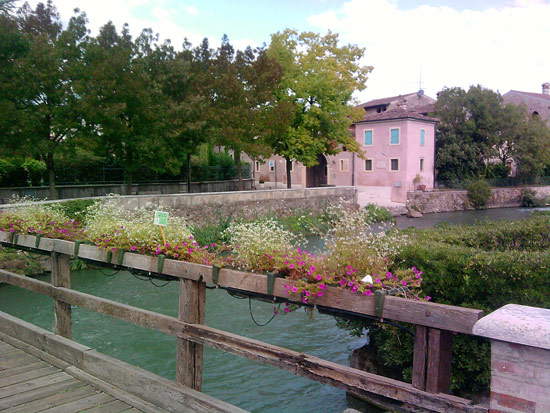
{"x":421,"y":164}
{"x":368,"y":164}
{"x":368,"y":137}
{"x":271,"y":165}
{"x":394,"y":136}
{"x":394,"y":164}
{"x":343,"y":165}
{"x":257,"y":166}
{"x":422,"y":137}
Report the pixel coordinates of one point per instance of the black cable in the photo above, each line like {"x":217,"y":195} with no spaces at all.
{"x":275,"y":312}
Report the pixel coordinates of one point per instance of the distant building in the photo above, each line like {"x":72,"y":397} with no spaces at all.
{"x":398,"y":139}
{"x":538,"y":104}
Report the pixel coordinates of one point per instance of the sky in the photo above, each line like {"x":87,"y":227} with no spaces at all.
{"x":500,"y":44}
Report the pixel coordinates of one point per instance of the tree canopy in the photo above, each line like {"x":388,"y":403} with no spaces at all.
{"x":479,"y":136}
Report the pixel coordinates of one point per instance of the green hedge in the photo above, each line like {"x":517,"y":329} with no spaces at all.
{"x":484,"y":266}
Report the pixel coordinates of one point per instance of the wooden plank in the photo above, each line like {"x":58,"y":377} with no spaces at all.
{"x":61,"y":277}
{"x":419,"y":357}
{"x":115,"y":406}
{"x":69,"y":394}
{"x":39,"y":394}
{"x":353,"y":380}
{"x":34,"y":384}
{"x":22,"y":369}
{"x":438,"y":375}
{"x":189,"y":356}
{"x":81,"y":404}
{"x":16,"y":360}
{"x":452,"y":318}
{"x":22,"y":377}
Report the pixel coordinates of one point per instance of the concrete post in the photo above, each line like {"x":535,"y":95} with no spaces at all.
{"x":520,"y":358}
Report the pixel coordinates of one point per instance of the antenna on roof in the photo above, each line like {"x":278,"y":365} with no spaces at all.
{"x":420,"y":90}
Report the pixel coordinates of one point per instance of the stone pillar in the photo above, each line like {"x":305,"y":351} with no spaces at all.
{"x":520,"y":358}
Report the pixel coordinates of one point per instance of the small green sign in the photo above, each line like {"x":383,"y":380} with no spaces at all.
{"x":161,"y":218}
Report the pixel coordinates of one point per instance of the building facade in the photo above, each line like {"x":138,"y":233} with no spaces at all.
{"x":398,"y":143}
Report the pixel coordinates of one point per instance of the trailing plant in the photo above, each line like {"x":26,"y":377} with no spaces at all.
{"x":530,"y":199}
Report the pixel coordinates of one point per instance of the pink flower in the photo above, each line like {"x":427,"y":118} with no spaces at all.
{"x":318,"y":277}
{"x":307,"y":293}
{"x":286,"y":310}
{"x":427,"y":298}
{"x":322,"y":286}
{"x":294,"y":289}
{"x":133,"y":248}
{"x":354,"y":288}
{"x":320,"y":293}
{"x":312,"y":268}
{"x":291,"y":266}
{"x":404,"y":282}
{"x":367,"y":292}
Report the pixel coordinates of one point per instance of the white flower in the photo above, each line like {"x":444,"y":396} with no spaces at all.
{"x":367,"y":279}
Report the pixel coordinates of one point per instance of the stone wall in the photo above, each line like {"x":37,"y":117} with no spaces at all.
{"x":457,"y":200}
{"x":87,"y":191}
{"x":248,"y":204}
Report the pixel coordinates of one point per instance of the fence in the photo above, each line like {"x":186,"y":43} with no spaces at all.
{"x":435,"y":323}
{"x":499,"y":182}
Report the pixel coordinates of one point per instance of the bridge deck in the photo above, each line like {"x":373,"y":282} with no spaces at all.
{"x":31,"y":385}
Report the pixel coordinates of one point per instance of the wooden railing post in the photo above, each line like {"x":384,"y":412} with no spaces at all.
{"x":432,"y":360}
{"x":189,"y":355}
{"x":61,"y":277}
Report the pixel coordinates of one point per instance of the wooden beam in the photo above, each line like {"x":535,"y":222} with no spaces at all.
{"x":438,"y":375}
{"x":441,"y":316}
{"x":61,"y":277}
{"x":347,"y":378}
{"x":189,"y":356}
{"x":419,"y":358}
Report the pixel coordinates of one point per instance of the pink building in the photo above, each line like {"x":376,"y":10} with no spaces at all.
{"x":398,"y":141}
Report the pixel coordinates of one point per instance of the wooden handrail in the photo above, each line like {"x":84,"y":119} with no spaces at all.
{"x":435,"y":322}
{"x":440,"y":316}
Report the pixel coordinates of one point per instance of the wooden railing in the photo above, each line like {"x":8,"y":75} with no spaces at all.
{"x":435,"y":323}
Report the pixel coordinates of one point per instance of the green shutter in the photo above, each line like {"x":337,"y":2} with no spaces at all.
{"x":368,"y":137}
{"x":394,"y":140}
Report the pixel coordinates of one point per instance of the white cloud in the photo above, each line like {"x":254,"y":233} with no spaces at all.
{"x":501,"y":48}
{"x":192,"y":10}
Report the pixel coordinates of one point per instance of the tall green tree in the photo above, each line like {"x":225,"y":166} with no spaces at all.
{"x":479,"y":136}
{"x":314,"y":95}
{"x":47,"y":117}
{"x":123,"y":101}
{"x":244,"y":86}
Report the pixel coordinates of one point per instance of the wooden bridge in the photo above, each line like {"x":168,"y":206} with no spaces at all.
{"x":121,"y":383}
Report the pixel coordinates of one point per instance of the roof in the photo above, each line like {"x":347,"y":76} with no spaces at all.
{"x":530,"y":94}
{"x":384,"y":101}
{"x":397,"y":114}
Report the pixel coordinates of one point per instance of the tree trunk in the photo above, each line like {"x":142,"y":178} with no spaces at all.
{"x":239,"y":169}
{"x":288,"y":173}
{"x":189,"y":173}
{"x":128,"y":181}
{"x":51,"y":176}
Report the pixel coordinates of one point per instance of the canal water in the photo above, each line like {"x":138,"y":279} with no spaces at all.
{"x":247,"y":384}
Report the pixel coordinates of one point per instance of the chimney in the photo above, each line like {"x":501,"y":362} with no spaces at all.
{"x":546,"y":88}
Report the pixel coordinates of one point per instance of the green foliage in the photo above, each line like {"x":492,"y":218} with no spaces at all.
{"x":484,"y":266}
{"x":313,"y":113}
{"x":529,"y":199}
{"x":20,"y":262}
{"x":479,"y":193}
{"x":75,"y":209}
{"x":379,"y":214}
{"x":478,"y":136}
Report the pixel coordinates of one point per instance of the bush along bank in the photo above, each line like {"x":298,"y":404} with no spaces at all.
{"x":482,"y":266}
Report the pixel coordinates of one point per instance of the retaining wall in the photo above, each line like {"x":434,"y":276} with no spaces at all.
{"x":87,"y":191}
{"x":457,"y":200}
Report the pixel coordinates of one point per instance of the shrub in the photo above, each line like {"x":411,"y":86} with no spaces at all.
{"x":529,"y":199}
{"x":484,"y":266}
{"x":75,"y":209}
{"x":379,"y":214}
{"x":111,"y":226}
{"x":478,"y":193}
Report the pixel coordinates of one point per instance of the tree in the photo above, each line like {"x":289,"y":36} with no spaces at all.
{"x":313,"y":112}
{"x":123,"y":102}
{"x":478,"y":136}
{"x":244,"y":83}
{"x":46,"y":109}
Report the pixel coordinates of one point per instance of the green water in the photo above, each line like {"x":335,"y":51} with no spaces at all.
{"x":249,"y":385}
